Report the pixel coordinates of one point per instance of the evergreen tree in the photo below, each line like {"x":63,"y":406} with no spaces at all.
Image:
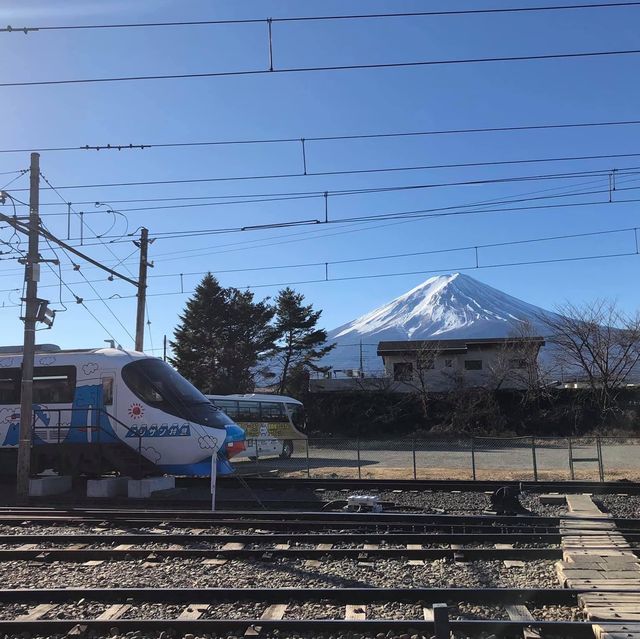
{"x":221,"y":337}
{"x":300,"y":344}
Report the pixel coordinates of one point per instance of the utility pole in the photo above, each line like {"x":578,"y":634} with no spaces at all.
{"x":31,"y":276}
{"x":142,"y":288}
{"x":361,"y":361}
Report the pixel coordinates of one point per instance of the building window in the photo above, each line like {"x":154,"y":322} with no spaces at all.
{"x":473,"y":364}
{"x":448,"y":363}
{"x":518,"y":363}
{"x":402,"y":371}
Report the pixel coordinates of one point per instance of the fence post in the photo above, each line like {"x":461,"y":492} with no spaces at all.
{"x":534,"y":459}
{"x":413,"y":451}
{"x":473,"y":458}
{"x":600,"y":463}
{"x":308,"y":465}
{"x":441,"y":621}
{"x":359,"y":469}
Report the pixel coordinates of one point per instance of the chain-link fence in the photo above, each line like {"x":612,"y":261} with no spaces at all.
{"x":508,"y":458}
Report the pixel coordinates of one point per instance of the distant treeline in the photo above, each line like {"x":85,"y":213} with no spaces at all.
{"x":561,"y":412}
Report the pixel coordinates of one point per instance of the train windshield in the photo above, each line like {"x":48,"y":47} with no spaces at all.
{"x":157,"y":384}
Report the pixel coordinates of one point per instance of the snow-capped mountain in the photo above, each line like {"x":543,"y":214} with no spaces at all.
{"x":445,"y":306}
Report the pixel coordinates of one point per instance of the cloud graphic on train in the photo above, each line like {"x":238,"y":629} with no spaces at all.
{"x":151,"y":454}
{"x":46,"y":360}
{"x":5,"y":363}
{"x":8,"y":415}
{"x":207,"y":441}
{"x":90,"y":368}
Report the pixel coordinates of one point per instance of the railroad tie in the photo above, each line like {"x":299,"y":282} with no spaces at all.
{"x":518,"y":612}
{"x":315,"y":563}
{"x":509,"y":563}
{"x":36,"y":613}
{"x":274,"y":612}
{"x":113,"y":612}
{"x":193,"y":611}
{"x":597,"y":558}
{"x":415,"y":562}
{"x":355,"y":612}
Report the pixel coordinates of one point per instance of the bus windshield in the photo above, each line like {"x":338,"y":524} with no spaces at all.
{"x":297,"y":417}
{"x":157,"y":384}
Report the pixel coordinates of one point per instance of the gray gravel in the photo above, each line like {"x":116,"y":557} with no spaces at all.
{"x":619,"y":505}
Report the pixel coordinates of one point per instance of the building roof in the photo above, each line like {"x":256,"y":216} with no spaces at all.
{"x":451,"y":345}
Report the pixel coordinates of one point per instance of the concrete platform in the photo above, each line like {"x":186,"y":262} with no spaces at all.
{"x":49,"y":485}
{"x":143,"y":488}
{"x":107,"y":487}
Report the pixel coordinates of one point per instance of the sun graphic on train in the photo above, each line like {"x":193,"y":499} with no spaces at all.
{"x":136,"y":411}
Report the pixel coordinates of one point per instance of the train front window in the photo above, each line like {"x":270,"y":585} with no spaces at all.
{"x":158,"y":385}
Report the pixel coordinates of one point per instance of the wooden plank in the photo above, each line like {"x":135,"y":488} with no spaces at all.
{"x":215,"y":562}
{"x":193,"y":611}
{"x":513,"y":563}
{"x":371,"y":547}
{"x":93,"y":562}
{"x":427,"y":613}
{"x":124,"y":547}
{"x":274,"y":612}
{"x":113,"y":612}
{"x":36,"y":613}
{"x":355,"y":612}
{"x":313,"y":563}
{"x":324,"y":546}
{"x":233,"y":546}
{"x":414,"y":546}
{"x":518,"y":612}
{"x":282,"y":546}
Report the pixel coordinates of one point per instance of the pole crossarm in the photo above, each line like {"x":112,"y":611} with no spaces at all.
{"x":23,"y":228}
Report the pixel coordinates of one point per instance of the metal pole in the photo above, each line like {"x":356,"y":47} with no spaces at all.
{"x":534,"y":458}
{"x":214,"y":477}
{"x":142,"y":288}
{"x":164,"y":348}
{"x":308,"y":465}
{"x":473,"y":459}
{"x":599,"y":454}
{"x":413,"y":450}
{"x":359,"y":470}
{"x":31,"y":276}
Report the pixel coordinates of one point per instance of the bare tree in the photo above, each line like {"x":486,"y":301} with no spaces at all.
{"x":518,"y":363}
{"x":600,"y":343}
{"x":423,"y":378}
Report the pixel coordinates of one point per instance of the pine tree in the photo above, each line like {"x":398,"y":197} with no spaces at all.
{"x":221,"y":337}
{"x":300,"y":344}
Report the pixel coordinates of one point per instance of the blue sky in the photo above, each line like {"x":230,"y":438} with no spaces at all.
{"x":319,"y":104}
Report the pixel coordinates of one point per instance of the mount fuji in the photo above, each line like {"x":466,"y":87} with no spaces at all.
{"x":445,"y":307}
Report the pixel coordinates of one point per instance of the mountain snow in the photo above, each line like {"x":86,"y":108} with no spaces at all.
{"x":445,"y":307}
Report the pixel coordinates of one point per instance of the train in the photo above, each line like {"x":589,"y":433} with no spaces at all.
{"x":120,"y":399}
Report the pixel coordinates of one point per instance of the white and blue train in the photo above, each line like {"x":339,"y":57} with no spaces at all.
{"x":111,"y":396}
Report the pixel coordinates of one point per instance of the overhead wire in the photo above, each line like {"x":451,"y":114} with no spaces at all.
{"x":318,"y":68}
{"x":324,"y":138}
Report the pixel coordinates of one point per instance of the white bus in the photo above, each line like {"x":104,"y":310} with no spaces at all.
{"x":274,"y":424}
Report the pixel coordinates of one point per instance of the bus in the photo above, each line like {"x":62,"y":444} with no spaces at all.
{"x":272,"y":423}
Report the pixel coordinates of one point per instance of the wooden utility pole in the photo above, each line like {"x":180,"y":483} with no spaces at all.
{"x":31,"y":276}
{"x":142,"y":288}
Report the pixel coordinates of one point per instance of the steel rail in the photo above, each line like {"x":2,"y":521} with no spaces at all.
{"x":50,"y":627}
{"x":466,"y":554}
{"x":281,"y":538}
{"x":560,"y":596}
{"x":566,"y":486}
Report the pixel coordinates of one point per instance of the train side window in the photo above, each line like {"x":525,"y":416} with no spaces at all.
{"x":107,"y":391}
{"x":10,"y":386}
{"x":272,"y":411}
{"x":249,"y":411}
{"x":54,"y":384}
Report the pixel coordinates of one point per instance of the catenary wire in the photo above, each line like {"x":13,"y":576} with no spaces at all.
{"x":324,"y":138}
{"x":360,"y":16}
{"x":313,"y":69}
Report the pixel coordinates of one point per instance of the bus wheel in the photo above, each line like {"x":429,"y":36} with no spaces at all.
{"x":287,"y":450}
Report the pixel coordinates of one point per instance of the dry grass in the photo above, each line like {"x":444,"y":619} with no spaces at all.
{"x":458,"y":474}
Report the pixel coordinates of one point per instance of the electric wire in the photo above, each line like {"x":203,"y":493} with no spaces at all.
{"x":324,"y":138}
{"x":315,"y":69}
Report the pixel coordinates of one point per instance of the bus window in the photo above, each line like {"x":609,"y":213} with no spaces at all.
{"x":249,"y":411}
{"x":273,"y":412}
{"x":10,"y":386}
{"x":229,"y":406}
{"x":54,"y":384}
{"x":297,"y":416}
